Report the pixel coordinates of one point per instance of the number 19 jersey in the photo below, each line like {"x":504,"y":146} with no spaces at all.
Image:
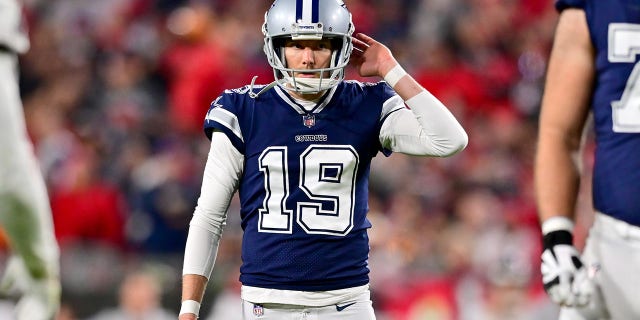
{"x":304,"y":187}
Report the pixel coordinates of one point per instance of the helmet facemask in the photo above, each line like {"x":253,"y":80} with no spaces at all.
{"x":339,"y":32}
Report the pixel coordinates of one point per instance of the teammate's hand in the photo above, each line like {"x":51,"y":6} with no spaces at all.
{"x":563,"y":274}
{"x":39,"y":298}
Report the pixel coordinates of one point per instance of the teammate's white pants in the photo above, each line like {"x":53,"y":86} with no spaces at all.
{"x":612,"y":251}
{"x":359,"y":308}
{"x":25,"y":214}
{"x":21,"y":182}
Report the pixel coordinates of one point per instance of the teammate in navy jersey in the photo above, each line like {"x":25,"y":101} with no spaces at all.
{"x":298,"y":152}
{"x":594,"y":69}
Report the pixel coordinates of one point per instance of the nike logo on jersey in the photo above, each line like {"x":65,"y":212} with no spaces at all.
{"x":340,"y":308}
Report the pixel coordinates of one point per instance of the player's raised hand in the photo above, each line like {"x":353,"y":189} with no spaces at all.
{"x":370,"y":57}
{"x":563,"y":273}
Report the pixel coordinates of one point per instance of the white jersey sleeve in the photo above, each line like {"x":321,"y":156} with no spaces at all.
{"x":220,"y":181}
{"x":427,"y":129}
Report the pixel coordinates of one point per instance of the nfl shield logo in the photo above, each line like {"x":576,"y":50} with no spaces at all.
{"x":309,"y":120}
{"x":258,"y":310}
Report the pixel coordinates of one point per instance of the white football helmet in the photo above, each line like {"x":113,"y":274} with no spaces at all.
{"x":308,"y":20}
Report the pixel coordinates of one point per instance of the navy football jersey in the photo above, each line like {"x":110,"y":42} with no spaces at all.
{"x":614,"y":26}
{"x":304,"y":187}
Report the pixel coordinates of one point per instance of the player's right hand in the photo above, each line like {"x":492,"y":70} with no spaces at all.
{"x":370,"y":57}
{"x":563,"y":273}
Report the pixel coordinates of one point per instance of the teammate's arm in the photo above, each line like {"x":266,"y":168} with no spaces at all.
{"x":429,"y":128}
{"x":565,"y":107}
{"x":220,"y":181}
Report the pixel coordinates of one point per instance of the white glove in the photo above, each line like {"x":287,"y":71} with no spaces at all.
{"x":563,"y":274}
{"x":39,"y":298}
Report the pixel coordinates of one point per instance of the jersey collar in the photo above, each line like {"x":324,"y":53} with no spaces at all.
{"x":322,"y":103}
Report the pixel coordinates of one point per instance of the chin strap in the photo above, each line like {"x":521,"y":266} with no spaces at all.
{"x":313,"y":83}
{"x":298,"y":83}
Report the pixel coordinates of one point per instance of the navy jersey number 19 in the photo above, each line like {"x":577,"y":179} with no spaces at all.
{"x":327,"y":177}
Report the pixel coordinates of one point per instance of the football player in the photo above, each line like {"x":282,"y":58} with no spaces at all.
{"x":25,"y":215}
{"x":299,"y":151}
{"x":594,"y":69}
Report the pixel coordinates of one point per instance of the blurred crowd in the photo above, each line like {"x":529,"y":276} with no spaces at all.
{"x":115,"y":93}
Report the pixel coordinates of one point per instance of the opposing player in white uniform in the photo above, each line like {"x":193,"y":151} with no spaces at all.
{"x":25,"y":215}
{"x":594,"y":69}
{"x":298,"y":152}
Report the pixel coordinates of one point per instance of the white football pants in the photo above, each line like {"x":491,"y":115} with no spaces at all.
{"x":21,"y":181}
{"x":612,"y":251}
{"x":359,"y":308}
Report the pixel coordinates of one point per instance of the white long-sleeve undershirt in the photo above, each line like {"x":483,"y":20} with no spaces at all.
{"x":426,"y":129}
{"x":220,"y":180}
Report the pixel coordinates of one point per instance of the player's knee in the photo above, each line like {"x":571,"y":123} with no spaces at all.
{"x":18,"y":222}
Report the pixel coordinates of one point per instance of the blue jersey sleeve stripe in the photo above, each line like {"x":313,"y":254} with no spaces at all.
{"x":392,"y":104}
{"x":385,"y":151}
{"x":235,"y":141}
{"x":227,"y":119}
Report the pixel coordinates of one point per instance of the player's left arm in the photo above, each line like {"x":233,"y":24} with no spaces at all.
{"x":428,"y":128}
{"x":220,"y":181}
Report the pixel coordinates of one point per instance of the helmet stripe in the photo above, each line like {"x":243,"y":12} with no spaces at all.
{"x":299,"y":10}
{"x":307,"y":11}
{"x":315,"y":10}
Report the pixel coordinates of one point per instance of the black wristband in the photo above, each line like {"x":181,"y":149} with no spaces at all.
{"x":557,"y":237}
